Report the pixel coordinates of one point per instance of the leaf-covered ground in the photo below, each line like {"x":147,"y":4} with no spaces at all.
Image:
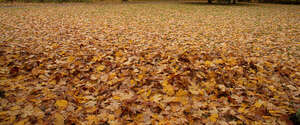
{"x":149,"y":63}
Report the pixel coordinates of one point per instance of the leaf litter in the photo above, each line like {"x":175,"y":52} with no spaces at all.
{"x":148,"y":63}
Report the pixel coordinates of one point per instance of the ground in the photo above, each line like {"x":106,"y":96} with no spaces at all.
{"x":150,"y":63}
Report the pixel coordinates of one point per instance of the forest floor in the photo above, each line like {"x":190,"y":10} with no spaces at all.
{"x":150,"y":63}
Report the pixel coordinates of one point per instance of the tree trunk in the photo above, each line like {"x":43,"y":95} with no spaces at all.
{"x":124,"y":0}
{"x":209,"y":1}
{"x":234,"y":2}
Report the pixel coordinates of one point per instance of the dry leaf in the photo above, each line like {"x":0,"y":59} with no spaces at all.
{"x":61,"y":104}
{"x":59,"y":119}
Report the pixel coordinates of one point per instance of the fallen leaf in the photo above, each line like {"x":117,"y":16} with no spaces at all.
{"x":59,"y":119}
{"x":61,"y":104}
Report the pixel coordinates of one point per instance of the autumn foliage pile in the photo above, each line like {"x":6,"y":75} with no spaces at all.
{"x":150,"y":63}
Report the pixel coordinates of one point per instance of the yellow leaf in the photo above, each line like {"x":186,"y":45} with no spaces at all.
{"x":276,"y":112}
{"x":71,"y":59}
{"x":91,"y":109}
{"x":194,"y":89}
{"x":218,"y":61}
{"x":55,"y":45}
{"x":111,"y":117}
{"x":133,"y":82}
{"x":252,"y":71}
{"x":142,"y":59}
{"x":167,"y":88}
{"x":110,"y":82}
{"x":15,"y":107}
{"x":139,"y":117}
{"x":100,"y":68}
{"x":181,"y":92}
{"x":148,"y":92}
{"x":112,"y":75}
{"x":155,"y":116}
{"x":242,"y":108}
{"x":208,"y":63}
{"x":213,"y":117}
{"x":11,"y":119}
{"x":62,"y":53}
{"x":130,"y":41}
{"x":140,"y":91}
{"x":79,"y":108}
{"x":92,"y":119}
{"x":118,"y":112}
{"x":53,"y":82}
{"x":3,"y":113}
{"x":272,"y":88}
{"x":241,"y":117}
{"x":81,"y":99}
{"x":140,"y":76}
{"x":22,"y":122}
{"x":266,"y":117}
{"x":61,"y":104}
{"x":231,"y":61}
{"x":258,"y":104}
{"x":116,"y":98}
{"x":118,"y":54}
{"x":59,"y":119}
{"x":96,"y":58}
{"x":181,"y":99}
{"x":156,"y":98}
